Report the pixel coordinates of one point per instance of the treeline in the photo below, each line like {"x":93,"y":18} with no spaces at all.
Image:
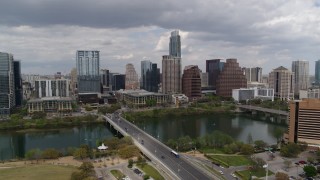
{"x":42,"y":123}
{"x":217,"y":140}
{"x":174,"y":112}
{"x":109,"y":108}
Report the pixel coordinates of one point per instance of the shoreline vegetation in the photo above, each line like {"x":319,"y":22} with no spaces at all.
{"x":22,"y":125}
{"x":177,"y":112}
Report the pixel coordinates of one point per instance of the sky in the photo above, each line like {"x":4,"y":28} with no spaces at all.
{"x":45,"y":34}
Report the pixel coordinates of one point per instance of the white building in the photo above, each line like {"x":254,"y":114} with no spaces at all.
{"x":310,"y":93}
{"x":180,"y":97}
{"x":282,"y":81}
{"x":171,"y":74}
{"x":52,"y":88}
{"x":244,"y":94}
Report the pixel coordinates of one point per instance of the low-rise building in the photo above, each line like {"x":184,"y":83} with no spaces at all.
{"x":140,"y":97}
{"x":179,"y":98}
{"x":310,"y":93}
{"x":244,"y":94}
{"x":50,"y":105}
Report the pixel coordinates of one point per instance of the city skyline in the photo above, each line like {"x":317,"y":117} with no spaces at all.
{"x":273,"y":34}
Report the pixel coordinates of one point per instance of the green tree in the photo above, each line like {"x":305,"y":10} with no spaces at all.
{"x":247,"y":149}
{"x":87,"y":169}
{"x":39,"y":115}
{"x":310,"y":170}
{"x":259,"y":144}
{"x":278,"y":133}
{"x":128,"y":151}
{"x":33,"y":154}
{"x":80,"y":153}
{"x":50,"y":154}
{"x":130,"y":163}
{"x":290,"y":150}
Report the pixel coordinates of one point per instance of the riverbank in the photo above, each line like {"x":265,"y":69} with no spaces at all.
{"x":178,"y":112}
{"x":25,"y":124}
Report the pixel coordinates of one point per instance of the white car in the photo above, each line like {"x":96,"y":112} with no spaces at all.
{"x":233,"y":175}
{"x":221,"y":172}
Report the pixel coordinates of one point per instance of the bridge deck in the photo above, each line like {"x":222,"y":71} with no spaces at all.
{"x":257,"y":108}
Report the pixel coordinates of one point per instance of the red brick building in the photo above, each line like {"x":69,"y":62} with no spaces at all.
{"x":191,"y":82}
{"x":231,"y":77}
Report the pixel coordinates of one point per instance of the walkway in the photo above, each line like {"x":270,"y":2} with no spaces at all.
{"x":267,"y":110}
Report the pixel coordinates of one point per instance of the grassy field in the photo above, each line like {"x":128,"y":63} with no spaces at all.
{"x":211,"y":151}
{"x":232,"y":160}
{"x":37,"y":172}
{"x":117,"y":174}
{"x":152,"y":172}
{"x":259,"y":173}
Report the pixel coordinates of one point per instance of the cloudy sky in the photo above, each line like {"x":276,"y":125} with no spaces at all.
{"x":45,"y":34}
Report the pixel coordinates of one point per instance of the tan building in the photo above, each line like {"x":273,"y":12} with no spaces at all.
{"x":191,"y":82}
{"x":73,"y":81}
{"x":171,"y":74}
{"x":304,"y":121}
{"x":50,"y":105}
{"x":132,"y":81}
{"x":230,"y":78}
{"x":282,"y":81}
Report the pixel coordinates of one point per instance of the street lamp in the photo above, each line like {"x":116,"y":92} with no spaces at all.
{"x":266,"y":166}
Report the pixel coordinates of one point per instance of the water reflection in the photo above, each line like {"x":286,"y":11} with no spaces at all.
{"x":237,"y":126}
{"x":16,"y":144}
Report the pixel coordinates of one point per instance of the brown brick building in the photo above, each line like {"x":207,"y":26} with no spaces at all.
{"x":191,"y":82}
{"x":304,"y":121}
{"x":230,"y":78}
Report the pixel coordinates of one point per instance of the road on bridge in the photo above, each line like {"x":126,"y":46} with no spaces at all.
{"x":180,"y":166}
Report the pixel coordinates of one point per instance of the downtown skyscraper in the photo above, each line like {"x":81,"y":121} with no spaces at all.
{"x":301,"y":75}
{"x":175,"y":44}
{"x":88,"y":75}
{"x":317,"y":73}
{"x":7,"y":88}
{"x":150,"y":76}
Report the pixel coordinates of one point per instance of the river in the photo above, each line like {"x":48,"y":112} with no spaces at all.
{"x":16,"y":144}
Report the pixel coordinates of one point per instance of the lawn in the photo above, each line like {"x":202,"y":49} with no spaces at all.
{"x":259,"y":173}
{"x":117,"y":174}
{"x":231,"y":160}
{"x":211,"y":151}
{"x":152,"y":172}
{"x":37,"y":172}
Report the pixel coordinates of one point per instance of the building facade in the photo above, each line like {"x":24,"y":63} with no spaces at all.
{"x":191,"y":82}
{"x":175,"y":44}
{"x":50,"y":105}
{"x":73,"y":81}
{"x":17,"y":83}
{"x":317,"y":73}
{"x":88,"y":75}
{"x":145,"y":67}
{"x":213,"y":68}
{"x":153,"y":78}
{"x":253,"y":74}
{"x":204,"y":80}
{"x":301,"y":75}
{"x":304,"y":124}
{"x":312,"y":93}
{"x":282,"y":81}
{"x":244,"y":94}
{"x":132,"y":80}
{"x":118,"y":82}
{"x":171,"y":74}
{"x":105,"y":80}
{"x":7,"y":88}
{"x":52,"y":88}
{"x":231,"y":77}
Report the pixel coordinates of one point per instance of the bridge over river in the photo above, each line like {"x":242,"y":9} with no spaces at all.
{"x":174,"y":167}
{"x":266,"y":110}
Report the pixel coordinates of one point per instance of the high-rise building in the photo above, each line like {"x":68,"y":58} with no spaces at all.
{"x":191,"y":82}
{"x":304,"y":121}
{"x":204,"y":80}
{"x":301,"y":75}
{"x":88,"y":71}
{"x":73,"y":81}
{"x":132,"y":80}
{"x":213,"y":68}
{"x":253,"y":74}
{"x":282,"y":81}
{"x":7,"y":88}
{"x":317,"y":73}
{"x":153,"y":78}
{"x":175,"y":44}
{"x":171,"y":74}
{"x":231,"y":77}
{"x":145,"y":66}
{"x":52,"y":88}
{"x":105,"y":79}
{"x":118,"y":82}
{"x":31,"y":78}
{"x":17,"y":83}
